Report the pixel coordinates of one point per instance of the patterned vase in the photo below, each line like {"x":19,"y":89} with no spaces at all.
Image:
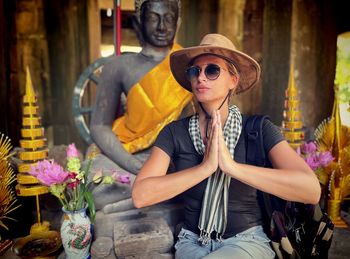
{"x":76,"y":234}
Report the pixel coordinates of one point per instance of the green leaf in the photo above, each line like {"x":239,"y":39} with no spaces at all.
{"x":88,"y":168}
{"x":90,"y":201}
{"x":81,"y":196}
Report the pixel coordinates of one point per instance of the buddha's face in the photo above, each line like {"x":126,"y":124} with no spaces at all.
{"x":159,"y":21}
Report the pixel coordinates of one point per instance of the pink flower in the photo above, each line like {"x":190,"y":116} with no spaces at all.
{"x":72,"y":151}
{"x":308,"y":148}
{"x":325,"y":158}
{"x":48,"y":172}
{"x":71,"y":186}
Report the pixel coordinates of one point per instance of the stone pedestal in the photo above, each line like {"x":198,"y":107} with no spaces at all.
{"x":141,"y":237}
{"x":171,"y":213}
{"x":150,"y":230}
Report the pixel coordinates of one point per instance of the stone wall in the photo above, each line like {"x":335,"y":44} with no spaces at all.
{"x":59,"y":39}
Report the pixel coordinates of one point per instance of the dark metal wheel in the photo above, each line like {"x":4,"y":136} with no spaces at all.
{"x":84,"y":97}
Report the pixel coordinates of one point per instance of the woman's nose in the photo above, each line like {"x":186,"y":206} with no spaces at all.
{"x":202,"y":76}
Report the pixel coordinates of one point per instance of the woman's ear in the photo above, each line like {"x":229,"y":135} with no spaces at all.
{"x":235,"y":80}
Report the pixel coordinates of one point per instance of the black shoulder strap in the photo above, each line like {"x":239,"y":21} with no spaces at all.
{"x":255,"y":151}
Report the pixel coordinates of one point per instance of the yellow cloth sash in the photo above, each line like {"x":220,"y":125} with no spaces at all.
{"x":153,"y":102}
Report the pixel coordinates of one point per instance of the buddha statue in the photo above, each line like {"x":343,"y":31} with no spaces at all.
{"x":153,"y":99}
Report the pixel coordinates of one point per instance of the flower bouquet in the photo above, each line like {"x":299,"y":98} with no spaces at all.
{"x":319,"y":162}
{"x":72,"y":186}
{"x":316,"y":159}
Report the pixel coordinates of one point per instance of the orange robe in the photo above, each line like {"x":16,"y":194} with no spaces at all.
{"x":153,"y":102}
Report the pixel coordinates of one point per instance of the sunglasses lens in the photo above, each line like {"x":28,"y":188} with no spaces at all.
{"x":192,"y":72}
{"x":212,"y":71}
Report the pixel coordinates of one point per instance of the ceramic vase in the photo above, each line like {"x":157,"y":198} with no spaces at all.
{"x":76,"y":234}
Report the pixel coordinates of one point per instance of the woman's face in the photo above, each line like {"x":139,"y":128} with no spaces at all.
{"x":210,"y":90}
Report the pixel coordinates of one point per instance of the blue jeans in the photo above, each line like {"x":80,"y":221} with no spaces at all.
{"x":251,"y":243}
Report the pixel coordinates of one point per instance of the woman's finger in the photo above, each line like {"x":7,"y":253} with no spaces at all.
{"x":213,"y":122}
{"x":220,"y":132}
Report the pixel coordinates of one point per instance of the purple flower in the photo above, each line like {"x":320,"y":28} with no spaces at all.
{"x":72,"y":151}
{"x":312,"y":161}
{"x":325,"y":158}
{"x":122,"y":178}
{"x":309,"y":148}
{"x":48,"y":172}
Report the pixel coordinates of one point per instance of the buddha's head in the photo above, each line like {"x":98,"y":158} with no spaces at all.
{"x":157,"y":21}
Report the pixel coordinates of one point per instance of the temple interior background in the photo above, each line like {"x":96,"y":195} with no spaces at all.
{"x":58,"y":40}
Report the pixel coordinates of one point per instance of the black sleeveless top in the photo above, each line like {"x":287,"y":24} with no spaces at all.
{"x":243,"y":208}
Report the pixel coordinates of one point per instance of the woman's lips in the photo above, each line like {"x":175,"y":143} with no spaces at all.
{"x":202,"y":89}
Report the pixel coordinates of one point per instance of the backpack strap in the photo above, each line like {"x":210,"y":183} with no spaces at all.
{"x":255,"y":151}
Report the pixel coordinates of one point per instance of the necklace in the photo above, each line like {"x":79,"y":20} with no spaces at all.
{"x":208,"y":116}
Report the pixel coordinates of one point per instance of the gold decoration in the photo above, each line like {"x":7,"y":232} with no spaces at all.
{"x":7,"y":177}
{"x":292,"y":126}
{"x":333,"y":136}
{"x":33,"y":144}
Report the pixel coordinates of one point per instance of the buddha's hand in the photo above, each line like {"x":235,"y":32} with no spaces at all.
{"x":133,"y":165}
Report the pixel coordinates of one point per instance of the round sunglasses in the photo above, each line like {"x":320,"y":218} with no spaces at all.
{"x":211,"y":71}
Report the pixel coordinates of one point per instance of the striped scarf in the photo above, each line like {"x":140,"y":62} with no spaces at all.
{"x":213,"y":215}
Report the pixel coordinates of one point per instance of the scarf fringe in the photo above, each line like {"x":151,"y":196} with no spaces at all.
{"x":205,"y":237}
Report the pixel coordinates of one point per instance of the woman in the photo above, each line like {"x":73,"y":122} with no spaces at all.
{"x":222,"y":215}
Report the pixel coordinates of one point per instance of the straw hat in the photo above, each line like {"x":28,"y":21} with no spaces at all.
{"x":219,"y":45}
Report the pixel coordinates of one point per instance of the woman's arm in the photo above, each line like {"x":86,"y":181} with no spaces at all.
{"x":290,"y":179}
{"x":152,"y":185}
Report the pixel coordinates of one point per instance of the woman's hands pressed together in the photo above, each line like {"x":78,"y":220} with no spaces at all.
{"x":226,"y":162}
{"x":210,"y":160}
{"x":216,"y":153}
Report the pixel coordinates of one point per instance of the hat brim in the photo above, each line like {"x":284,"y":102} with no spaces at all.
{"x":248,"y":68}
